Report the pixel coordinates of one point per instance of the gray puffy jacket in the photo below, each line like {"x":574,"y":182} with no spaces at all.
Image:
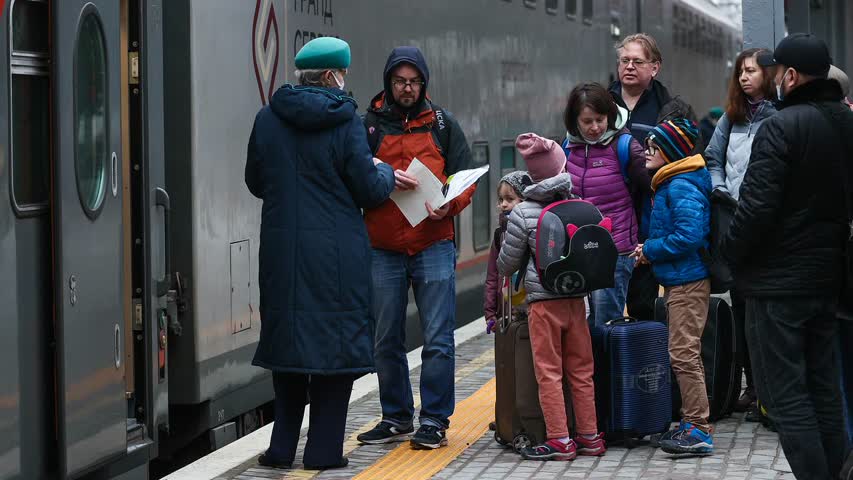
{"x":520,"y":238}
{"x":727,"y":154}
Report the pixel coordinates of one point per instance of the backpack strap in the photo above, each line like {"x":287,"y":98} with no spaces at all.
{"x":566,"y":149}
{"x":623,"y":154}
{"x":441,"y":132}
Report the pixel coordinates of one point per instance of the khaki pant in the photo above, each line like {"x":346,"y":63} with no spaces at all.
{"x":562,"y":347}
{"x":688,"y":312}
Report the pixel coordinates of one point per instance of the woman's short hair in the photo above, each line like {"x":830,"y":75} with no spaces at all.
{"x":737,"y":103}
{"x":313,"y":77}
{"x":591,"y":95}
{"x":646,"y":41}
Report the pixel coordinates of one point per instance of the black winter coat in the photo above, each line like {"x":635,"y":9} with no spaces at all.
{"x":786,"y":238}
{"x":309,"y":161}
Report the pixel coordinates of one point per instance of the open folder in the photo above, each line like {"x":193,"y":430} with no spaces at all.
{"x":430,"y":189}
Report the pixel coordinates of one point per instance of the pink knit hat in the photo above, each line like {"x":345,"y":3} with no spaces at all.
{"x":544,"y":157}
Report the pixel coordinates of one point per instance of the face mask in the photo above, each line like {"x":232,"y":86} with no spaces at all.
{"x":339,"y":82}
{"x":779,"y":93}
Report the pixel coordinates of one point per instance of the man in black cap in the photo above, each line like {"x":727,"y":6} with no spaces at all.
{"x":785,"y":244}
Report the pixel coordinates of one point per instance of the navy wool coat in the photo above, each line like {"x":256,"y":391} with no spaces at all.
{"x":308,"y":160}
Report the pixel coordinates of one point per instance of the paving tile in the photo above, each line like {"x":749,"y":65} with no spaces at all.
{"x":743,"y":451}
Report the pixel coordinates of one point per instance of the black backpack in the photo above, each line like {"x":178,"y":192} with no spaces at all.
{"x":575,"y":253}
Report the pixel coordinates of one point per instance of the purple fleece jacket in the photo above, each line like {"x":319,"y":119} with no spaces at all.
{"x":597,"y":178}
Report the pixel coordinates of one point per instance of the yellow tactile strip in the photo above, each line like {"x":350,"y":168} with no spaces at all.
{"x":469,"y":423}
{"x":352,"y":443}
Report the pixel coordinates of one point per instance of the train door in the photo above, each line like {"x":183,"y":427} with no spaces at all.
{"x":88,"y":226}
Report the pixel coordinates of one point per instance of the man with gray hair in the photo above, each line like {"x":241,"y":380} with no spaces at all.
{"x":649,"y":103}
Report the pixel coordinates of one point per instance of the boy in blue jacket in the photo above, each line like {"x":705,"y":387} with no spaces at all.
{"x":678,"y":231}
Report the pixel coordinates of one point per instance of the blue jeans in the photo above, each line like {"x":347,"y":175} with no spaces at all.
{"x":609,"y":303}
{"x":432,"y":275}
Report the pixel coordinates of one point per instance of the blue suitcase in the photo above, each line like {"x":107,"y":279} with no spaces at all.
{"x":632,"y":382}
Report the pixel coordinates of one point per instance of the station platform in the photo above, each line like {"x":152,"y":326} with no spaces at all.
{"x":743,"y":451}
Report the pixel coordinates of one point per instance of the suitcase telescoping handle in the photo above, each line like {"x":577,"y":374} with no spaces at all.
{"x":621,"y":320}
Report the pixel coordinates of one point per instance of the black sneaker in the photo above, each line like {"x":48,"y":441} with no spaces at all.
{"x":385,"y":433}
{"x":429,"y":437}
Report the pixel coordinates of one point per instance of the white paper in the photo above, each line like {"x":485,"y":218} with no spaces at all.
{"x":460,"y":181}
{"x":413,"y":202}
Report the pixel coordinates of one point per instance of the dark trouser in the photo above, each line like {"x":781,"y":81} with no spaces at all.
{"x":796,"y":372}
{"x":643,"y":290}
{"x":846,"y":342}
{"x":739,"y":314}
{"x":328,"y":416}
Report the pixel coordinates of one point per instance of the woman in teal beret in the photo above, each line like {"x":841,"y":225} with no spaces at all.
{"x":309,"y":161}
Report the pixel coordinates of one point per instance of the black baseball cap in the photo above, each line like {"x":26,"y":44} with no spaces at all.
{"x":803,"y":52}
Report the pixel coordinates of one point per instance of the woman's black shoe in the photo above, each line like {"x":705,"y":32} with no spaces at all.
{"x":343,"y":463}
{"x":265,"y":461}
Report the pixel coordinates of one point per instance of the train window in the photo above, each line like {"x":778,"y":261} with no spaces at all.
{"x":29,"y":21}
{"x":481,"y":204}
{"x":587,"y":11}
{"x":572,"y":9}
{"x":90,"y":108}
{"x":551,"y":6}
{"x":507,"y":157}
{"x":30,"y":109}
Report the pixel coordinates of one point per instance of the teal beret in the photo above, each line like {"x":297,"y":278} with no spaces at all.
{"x":324,"y":52}
{"x":716,"y":112}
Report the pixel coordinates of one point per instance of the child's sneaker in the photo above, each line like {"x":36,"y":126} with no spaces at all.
{"x":592,"y":447}
{"x":553,"y":449}
{"x":689,"y":439}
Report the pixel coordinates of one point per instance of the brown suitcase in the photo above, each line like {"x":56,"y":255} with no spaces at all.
{"x":518,"y":417}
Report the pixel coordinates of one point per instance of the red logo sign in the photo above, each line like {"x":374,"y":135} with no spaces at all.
{"x":265,"y":42}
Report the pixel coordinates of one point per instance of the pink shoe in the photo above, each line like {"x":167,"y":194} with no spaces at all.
{"x":594,"y":447}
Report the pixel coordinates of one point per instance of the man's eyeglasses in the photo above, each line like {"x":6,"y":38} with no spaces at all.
{"x":637,"y":63}
{"x":651,"y":150}
{"x":401,"y":84}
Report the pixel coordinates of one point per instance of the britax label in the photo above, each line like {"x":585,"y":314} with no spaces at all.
{"x":588,"y":245}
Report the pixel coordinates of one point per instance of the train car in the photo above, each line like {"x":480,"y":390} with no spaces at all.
{"x":129,"y":241}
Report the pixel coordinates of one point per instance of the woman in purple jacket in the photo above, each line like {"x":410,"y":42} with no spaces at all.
{"x":594,"y":125}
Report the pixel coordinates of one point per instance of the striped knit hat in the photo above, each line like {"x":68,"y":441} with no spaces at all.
{"x":675,"y":138}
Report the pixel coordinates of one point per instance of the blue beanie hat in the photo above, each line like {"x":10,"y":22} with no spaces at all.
{"x":324,"y":53}
{"x":675,"y":138}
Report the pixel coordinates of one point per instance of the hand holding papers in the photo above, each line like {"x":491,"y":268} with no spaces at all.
{"x":430,"y":190}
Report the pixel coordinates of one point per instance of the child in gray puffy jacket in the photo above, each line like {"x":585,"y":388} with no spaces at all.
{"x":559,"y":334}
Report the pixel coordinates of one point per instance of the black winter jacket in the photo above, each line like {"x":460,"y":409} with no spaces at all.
{"x":786,"y":238}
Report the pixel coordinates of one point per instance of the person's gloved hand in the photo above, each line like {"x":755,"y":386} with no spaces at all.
{"x":503,"y":220}
{"x":490,"y":325}
{"x":721,"y":196}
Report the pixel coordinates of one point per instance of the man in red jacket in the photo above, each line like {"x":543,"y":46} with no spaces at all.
{"x":402,"y":124}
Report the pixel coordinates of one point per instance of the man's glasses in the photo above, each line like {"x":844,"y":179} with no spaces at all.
{"x":637,"y":62}
{"x":401,"y":84}
{"x":651,"y":150}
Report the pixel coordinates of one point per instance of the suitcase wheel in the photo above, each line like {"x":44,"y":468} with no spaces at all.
{"x":521,"y":441}
{"x":500,"y":440}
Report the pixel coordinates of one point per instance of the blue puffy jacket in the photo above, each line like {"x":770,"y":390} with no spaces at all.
{"x":309,"y":162}
{"x":680,"y":222}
